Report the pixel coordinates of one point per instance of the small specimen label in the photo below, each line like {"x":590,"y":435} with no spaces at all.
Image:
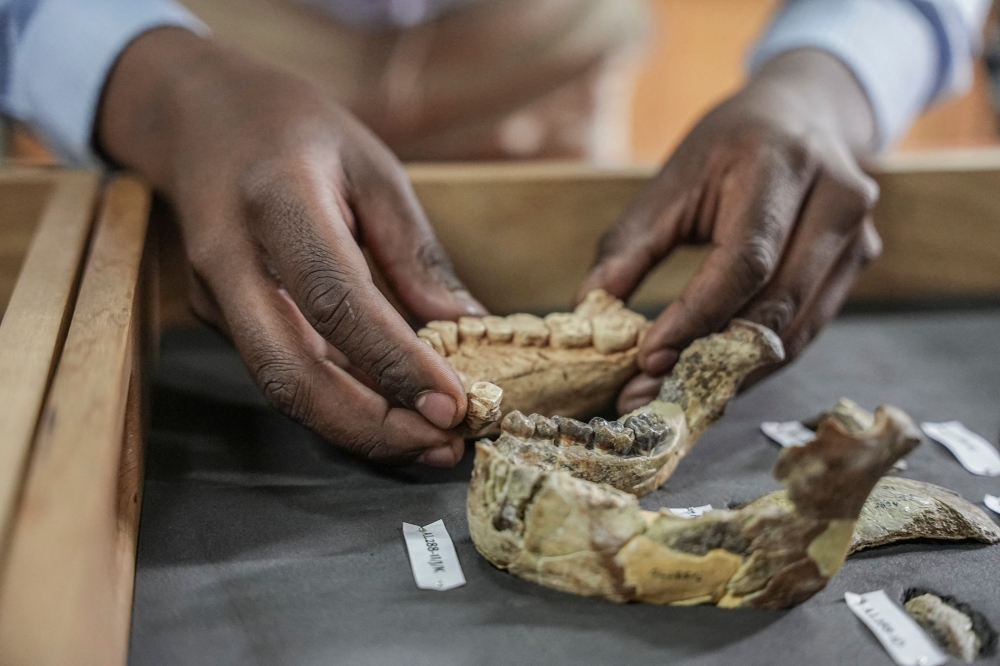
{"x":992,"y":503}
{"x":901,"y":637}
{"x":691,"y":511}
{"x":432,"y":557}
{"x":975,"y":453}
{"x":789,"y":433}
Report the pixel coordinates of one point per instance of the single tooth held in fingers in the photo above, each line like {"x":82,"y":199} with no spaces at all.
{"x":568,"y":331}
{"x":448,"y":330}
{"x":518,"y":425}
{"x":545,"y":428}
{"x":614,"y":333}
{"x":433,"y":338}
{"x":528,"y":330}
{"x":484,"y":405}
{"x":573,"y":432}
{"x":498,"y":329}
{"x":471,"y":329}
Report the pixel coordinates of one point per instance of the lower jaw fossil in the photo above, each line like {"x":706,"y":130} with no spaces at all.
{"x":571,"y":534}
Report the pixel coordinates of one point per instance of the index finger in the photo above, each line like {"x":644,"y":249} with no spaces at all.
{"x":755,"y":213}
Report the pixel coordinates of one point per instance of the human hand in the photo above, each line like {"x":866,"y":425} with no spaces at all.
{"x":770,"y":178}
{"x":276,"y":190}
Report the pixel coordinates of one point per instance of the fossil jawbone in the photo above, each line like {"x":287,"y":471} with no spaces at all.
{"x":642,"y":449}
{"x":570,"y":534}
{"x":567,"y":363}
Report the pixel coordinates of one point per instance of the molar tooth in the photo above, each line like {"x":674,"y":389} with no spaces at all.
{"x":544,"y":428}
{"x":649,"y":431}
{"x":529,"y":330}
{"x":573,"y":432}
{"x":568,"y":331}
{"x":484,"y":405}
{"x":497,"y":329}
{"x":433,"y":338}
{"x":612,"y":436}
{"x":448,"y":330}
{"x":614,"y":333}
{"x":471,"y":329}
{"x":519,"y":425}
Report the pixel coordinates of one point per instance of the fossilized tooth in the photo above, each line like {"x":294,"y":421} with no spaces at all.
{"x":638,"y":453}
{"x":549,"y":526}
{"x":484,"y":405}
{"x":950,"y":627}
{"x":554,"y":365}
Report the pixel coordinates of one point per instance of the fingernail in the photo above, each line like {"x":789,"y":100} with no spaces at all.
{"x":660,"y":362}
{"x":442,"y":456}
{"x":468,"y":304}
{"x":437,"y":408}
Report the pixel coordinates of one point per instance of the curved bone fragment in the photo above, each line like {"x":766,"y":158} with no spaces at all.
{"x":639,"y":451}
{"x":901,"y":509}
{"x":571,"y":364}
{"x":548,"y":526}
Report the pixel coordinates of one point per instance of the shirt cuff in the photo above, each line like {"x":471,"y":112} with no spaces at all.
{"x":64,"y":56}
{"x":889,"y":45}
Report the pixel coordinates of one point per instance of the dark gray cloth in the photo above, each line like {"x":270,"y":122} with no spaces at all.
{"x":261,"y":545}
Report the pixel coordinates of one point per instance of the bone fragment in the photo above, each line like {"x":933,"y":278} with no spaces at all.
{"x":484,"y":405}
{"x":568,"y":375}
{"x":568,"y":330}
{"x":471,"y":330}
{"x":448,"y":330}
{"x":498,"y":329}
{"x":433,"y":338}
{"x":539,"y":518}
{"x":528,"y":330}
{"x":950,"y":627}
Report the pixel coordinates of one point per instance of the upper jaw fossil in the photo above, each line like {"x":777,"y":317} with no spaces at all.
{"x":567,"y":363}
{"x":639,"y":451}
{"x":545,"y":524}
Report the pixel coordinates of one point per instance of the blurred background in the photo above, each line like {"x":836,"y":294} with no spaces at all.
{"x":692,"y":57}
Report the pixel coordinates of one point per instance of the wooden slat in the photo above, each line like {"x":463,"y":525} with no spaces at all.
{"x":33,"y":328}
{"x":65,"y":587}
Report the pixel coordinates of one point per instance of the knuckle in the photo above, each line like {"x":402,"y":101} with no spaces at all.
{"x":285,"y":386}
{"x":857,"y":195}
{"x":756,"y":262}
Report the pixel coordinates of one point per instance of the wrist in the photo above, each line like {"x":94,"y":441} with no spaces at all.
{"x":820,"y":90}
{"x":146,"y":97}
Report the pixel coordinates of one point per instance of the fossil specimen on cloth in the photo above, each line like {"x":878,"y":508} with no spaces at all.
{"x":567,"y":363}
{"x":639,"y":451}
{"x":547,"y":524}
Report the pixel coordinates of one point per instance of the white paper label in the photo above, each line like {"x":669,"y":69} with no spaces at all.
{"x":901,"y":637}
{"x":992,"y":503}
{"x":789,"y":433}
{"x":432,"y":557}
{"x":691,"y":511}
{"x":975,"y":453}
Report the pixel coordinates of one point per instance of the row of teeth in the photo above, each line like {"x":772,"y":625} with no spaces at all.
{"x":638,"y":435}
{"x":608,"y":333}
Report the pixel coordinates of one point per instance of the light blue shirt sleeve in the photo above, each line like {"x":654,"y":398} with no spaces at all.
{"x":56,"y":54}
{"x":904,"y":53}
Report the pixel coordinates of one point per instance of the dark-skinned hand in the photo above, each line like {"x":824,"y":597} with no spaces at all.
{"x":770,"y":179}
{"x":276,"y":190}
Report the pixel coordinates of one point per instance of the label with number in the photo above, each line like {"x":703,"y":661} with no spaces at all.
{"x":432,"y":557}
{"x":901,"y":637}
{"x":691,"y":511}
{"x":975,"y":453}
{"x":789,"y":433}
